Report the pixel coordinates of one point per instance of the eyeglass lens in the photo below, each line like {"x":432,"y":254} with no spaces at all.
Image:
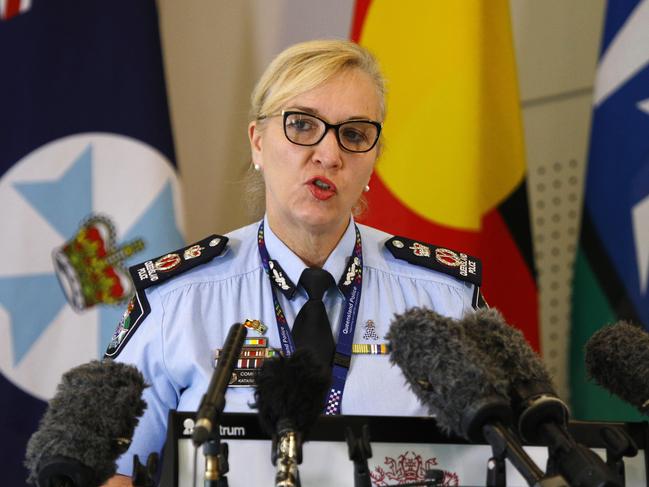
{"x":354,"y":135}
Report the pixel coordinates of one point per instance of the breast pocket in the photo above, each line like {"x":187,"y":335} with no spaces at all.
{"x":376,"y":387}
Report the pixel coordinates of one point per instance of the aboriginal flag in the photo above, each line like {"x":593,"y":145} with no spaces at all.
{"x":452,"y":171}
{"x":611,"y":280}
{"x":88,"y":186}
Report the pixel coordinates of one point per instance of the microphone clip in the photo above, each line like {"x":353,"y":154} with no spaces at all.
{"x":216,"y":462}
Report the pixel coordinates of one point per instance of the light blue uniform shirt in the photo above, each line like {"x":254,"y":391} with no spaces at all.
{"x":191,"y":314}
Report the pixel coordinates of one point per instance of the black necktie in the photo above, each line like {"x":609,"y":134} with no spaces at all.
{"x":311,"y":329}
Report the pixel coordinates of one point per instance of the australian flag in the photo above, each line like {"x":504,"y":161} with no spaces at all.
{"x":88,"y":186}
{"x":612,"y":264}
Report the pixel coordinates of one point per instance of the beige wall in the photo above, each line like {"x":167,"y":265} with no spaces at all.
{"x":557,"y":45}
{"x":214,"y":51}
{"x":556,"y":42}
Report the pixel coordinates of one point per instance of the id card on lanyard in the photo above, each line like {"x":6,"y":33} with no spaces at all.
{"x":350,"y":284}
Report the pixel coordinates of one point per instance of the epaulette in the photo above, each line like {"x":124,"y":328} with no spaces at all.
{"x":456,"y":264}
{"x":160,"y":269}
{"x":156,"y":271}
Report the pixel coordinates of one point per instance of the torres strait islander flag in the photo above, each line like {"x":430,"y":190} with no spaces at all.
{"x":452,"y":171}
{"x":88,"y":186}
{"x":611,"y":280}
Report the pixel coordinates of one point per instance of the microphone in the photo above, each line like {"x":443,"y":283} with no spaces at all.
{"x":447,"y":372}
{"x":617,"y":358}
{"x":532,"y":392}
{"x":444,"y":370}
{"x":290,"y":396}
{"x":88,"y":424}
{"x":541,"y":416}
{"x":213,"y":401}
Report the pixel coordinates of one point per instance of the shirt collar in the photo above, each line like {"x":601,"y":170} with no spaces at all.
{"x":293,"y":266}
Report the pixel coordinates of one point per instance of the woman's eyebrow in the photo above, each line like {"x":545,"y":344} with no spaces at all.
{"x":316,"y":112}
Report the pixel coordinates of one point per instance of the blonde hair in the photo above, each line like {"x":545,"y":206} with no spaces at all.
{"x":296,"y":70}
{"x":305,"y":66}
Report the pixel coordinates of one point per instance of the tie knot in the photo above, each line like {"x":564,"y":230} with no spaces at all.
{"x":316,"y":281}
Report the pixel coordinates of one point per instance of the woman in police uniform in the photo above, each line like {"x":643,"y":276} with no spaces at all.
{"x":315,"y":135}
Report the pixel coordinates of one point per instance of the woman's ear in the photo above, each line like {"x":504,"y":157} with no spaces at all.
{"x":254,"y":135}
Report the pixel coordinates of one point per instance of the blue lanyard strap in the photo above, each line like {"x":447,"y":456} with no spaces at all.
{"x":350,"y":284}
{"x":285,"y":337}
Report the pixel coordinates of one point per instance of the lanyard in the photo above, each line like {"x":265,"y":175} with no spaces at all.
{"x":350,"y":285}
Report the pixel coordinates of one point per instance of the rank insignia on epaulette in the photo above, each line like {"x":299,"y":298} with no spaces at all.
{"x":456,"y":264}
{"x":420,"y":249}
{"x":167,"y":262}
{"x":193,"y":252}
{"x":256,"y":325}
{"x":370,"y":349}
{"x":166,"y":266}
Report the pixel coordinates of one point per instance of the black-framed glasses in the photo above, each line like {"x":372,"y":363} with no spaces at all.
{"x":353,"y":135}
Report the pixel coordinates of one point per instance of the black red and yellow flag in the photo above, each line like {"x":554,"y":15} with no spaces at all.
{"x":452,"y":171}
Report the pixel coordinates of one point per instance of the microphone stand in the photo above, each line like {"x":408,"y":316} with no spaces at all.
{"x":286,"y":454}
{"x":216,"y":461}
{"x":575,"y":461}
{"x":543,"y":418}
{"x":618,"y":445}
{"x":496,"y":469}
{"x":505,"y":445}
{"x":144,"y":475}
{"x":359,"y":451}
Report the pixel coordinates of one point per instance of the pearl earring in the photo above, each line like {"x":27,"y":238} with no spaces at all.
{"x":366,"y":188}
{"x":256,"y":167}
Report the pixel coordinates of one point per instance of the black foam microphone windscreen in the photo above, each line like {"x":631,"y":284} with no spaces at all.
{"x":533,"y":395}
{"x":445,"y":371}
{"x":293,"y":388}
{"x":617,"y":358}
{"x":541,"y":415}
{"x":453,"y":377}
{"x":506,"y":346}
{"x":290,"y":396}
{"x":88,"y":424}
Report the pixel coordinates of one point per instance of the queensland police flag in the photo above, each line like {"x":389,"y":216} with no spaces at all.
{"x":88,"y":186}
{"x":612,"y":263}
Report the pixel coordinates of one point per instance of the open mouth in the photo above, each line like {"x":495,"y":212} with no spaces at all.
{"x":321,"y":184}
{"x":322,"y":188}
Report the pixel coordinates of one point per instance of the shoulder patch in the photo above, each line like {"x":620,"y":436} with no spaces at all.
{"x":456,"y":264}
{"x":160,"y":269}
{"x":138,"y":308}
